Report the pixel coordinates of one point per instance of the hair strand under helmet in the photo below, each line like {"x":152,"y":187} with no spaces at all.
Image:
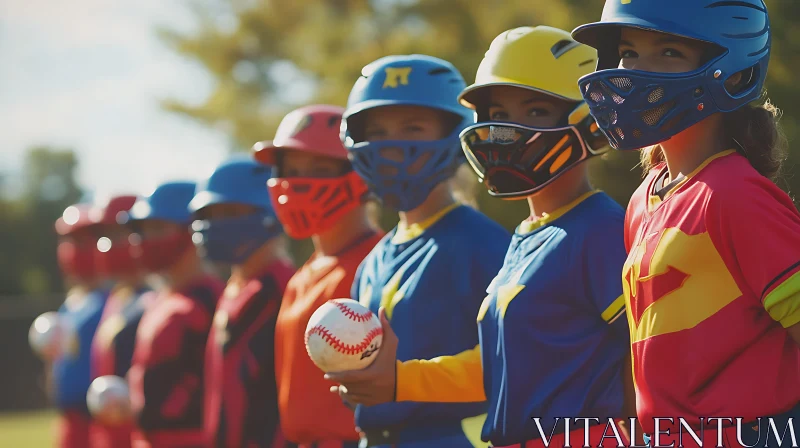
{"x":409,"y":80}
{"x":307,"y":206}
{"x":240,"y":180}
{"x":168,"y":202}
{"x":637,"y":109}
{"x":514,"y":160}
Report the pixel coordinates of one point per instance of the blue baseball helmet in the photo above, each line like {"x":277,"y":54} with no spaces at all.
{"x":233,"y":239}
{"x":238,"y":180}
{"x":636,"y":109}
{"x":168,"y":202}
{"x":410,"y":80}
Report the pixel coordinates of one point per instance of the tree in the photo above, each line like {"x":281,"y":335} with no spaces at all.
{"x":281,"y":54}
{"x":28,"y":263}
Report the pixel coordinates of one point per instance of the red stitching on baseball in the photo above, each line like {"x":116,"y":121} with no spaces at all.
{"x":347,"y":311}
{"x":341,"y":347}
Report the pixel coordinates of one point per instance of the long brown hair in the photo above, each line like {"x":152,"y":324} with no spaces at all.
{"x":754,"y":132}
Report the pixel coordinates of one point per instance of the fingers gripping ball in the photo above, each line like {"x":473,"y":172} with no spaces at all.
{"x":343,"y":335}
{"x":49,"y":336}
{"x":108,"y":400}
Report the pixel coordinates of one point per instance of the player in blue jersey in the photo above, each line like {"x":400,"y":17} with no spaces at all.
{"x":401,"y":130}
{"x":78,"y":232}
{"x":553,"y":335}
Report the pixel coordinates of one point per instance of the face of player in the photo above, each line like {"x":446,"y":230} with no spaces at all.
{"x":651,"y":51}
{"x":410,"y":123}
{"x":404,"y":123}
{"x":223,"y":211}
{"x":154,"y":228}
{"x":526,"y":107}
{"x":301,"y":164}
{"x":116,"y":232}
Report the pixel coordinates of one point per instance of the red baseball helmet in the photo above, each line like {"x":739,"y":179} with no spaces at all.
{"x":113,"y":254}
{"x":76,"y":255}
{"x":308,"y":206}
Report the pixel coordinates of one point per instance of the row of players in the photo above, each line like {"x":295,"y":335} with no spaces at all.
{"x":704,"y":305}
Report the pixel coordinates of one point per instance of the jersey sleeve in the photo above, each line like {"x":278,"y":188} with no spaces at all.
{"x":756,"y":228}
{"x":445,"y":379}
{"x":603,"y":255}
{"x":354,"y":289}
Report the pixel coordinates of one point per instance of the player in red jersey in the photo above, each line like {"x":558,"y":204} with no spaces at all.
{"x":316,"y":195}
{"x":112,"y":347}
{"x":69,"y":373}
{"x":166,"y":377}
{"x":236,"y":226}
{"x":712,"y":279}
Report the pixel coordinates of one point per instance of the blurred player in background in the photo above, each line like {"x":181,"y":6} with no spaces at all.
{"x":317,"y":195}
{"x":235,"y":225}
{"x":712,"y":278}
{"x":553,"y":336}
{"x":112,"y":348}
{"x":166,"y":377}
{"x":401,"y":129}
{"x":78,"y":232}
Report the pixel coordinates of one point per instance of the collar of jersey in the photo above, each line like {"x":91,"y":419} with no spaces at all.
{"x":405,"y":234}
{"x":529,"y":226}
{"x":654,"y":200}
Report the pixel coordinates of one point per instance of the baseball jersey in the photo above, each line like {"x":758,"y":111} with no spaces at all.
{"x":112,"y":346}
{"x":553,"y":336}
{"x":711,"y":282}
{"x":166,"y":376}
{"x":309,"y":412}
{"x":430,"y":278}
{"x":241,"y":404}
{"x":72,"y":371}
{"x":112,"y":352}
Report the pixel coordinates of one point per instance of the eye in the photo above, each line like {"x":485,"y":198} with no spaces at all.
{"x":414,"y":128}
{"x":627,"y":54}
{"x":672,"y":53}
{"x":538,"y":112}
{"x":498,"y":115}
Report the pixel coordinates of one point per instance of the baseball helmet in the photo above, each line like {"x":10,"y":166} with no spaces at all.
{"x":636,"y":109}
{"x":309,"y":205}
{"x":514,"y":160}
{"x":409,"y":80}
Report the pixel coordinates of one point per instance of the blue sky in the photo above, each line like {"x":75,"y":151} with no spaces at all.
{"x":88,"y":74}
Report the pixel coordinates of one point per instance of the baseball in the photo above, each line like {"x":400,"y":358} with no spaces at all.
{"x":343,"y":335}
{"x":108,"y":400}
{"x":49,"y":335}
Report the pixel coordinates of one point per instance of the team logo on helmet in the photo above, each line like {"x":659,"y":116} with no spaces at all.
{"x":396,"y":76}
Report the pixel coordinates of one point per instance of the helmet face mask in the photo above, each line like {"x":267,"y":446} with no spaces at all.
{"x":402,"y":173}
{"x":515,"y":161}
{"x":306,"y":205}
{"x":637,"y":109}
{"x":518,"y":157}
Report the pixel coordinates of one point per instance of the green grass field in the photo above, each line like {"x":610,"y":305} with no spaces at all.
{"x":27,"y":429}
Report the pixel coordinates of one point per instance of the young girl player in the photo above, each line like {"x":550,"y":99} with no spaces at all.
{"x":401,"y":130}
{"x":316,"y":194}
{"x":712,"y":279}
{"x":553,"y":344}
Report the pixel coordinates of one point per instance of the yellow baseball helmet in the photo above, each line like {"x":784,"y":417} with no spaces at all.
{"x":542,"y":58}
{"x":545,"y":60}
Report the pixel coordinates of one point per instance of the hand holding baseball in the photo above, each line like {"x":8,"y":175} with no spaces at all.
{"x":376,"y":383}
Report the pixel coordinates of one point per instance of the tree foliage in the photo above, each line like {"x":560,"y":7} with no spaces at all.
{"x":27,"y":237}
{"x":269,"y":56}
